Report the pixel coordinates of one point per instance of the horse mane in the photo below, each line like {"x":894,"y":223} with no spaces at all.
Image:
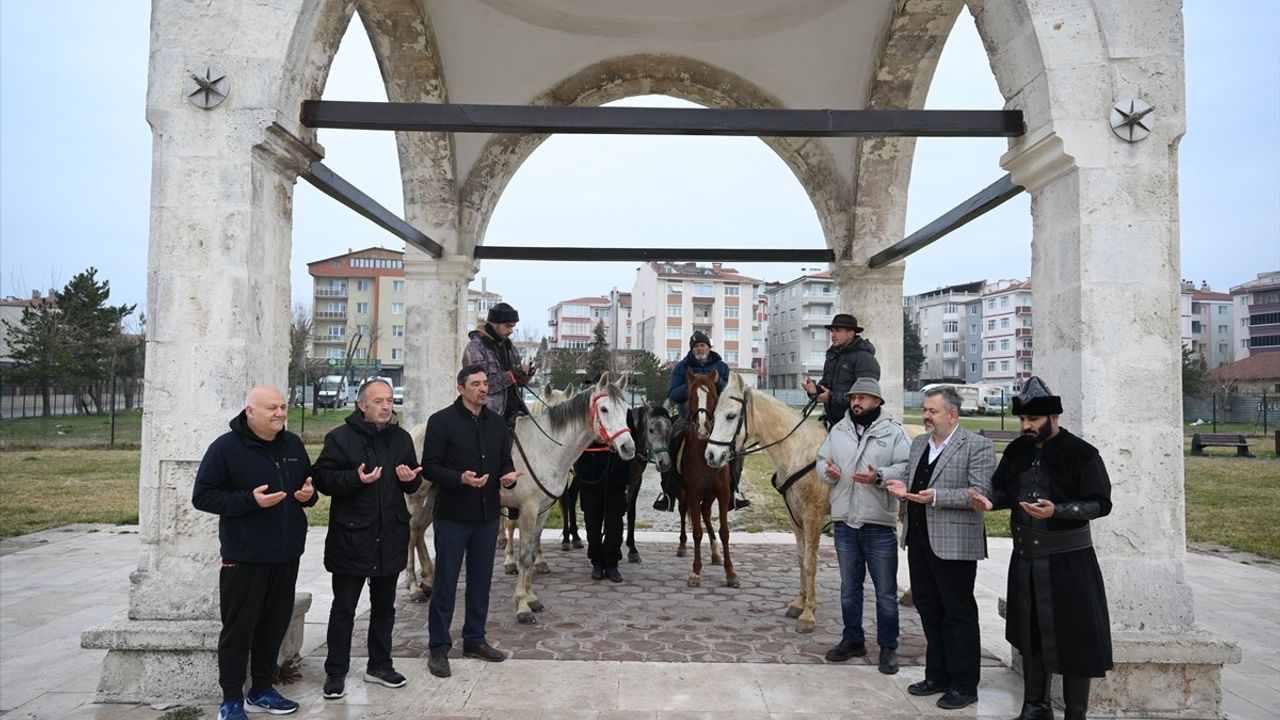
{"x":576,"y":409}
{"x":780,"y":416}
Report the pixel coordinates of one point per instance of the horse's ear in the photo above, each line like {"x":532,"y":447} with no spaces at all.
{"x":623,"y":384}
{"x":604,"y":381}
{"x":715,"y":376}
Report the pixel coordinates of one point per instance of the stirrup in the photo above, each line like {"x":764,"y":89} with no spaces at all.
{"x":740,"y":502}
{"x":663,"y":503}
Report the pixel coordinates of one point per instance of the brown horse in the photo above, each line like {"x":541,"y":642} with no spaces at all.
{"x":700,"y":484}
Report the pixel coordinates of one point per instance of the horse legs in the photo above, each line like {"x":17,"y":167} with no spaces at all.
{"x":711,"y":535}
{"x":569,"y":537}
{"x":525,"y":601}
{"x":633,"y":490}
{"x":540,"y":565}
{"x":811,"y":532}
{"x":419,"y":573}
{"x":797,"y":606}
{"x":683,"y":549}
{"x":509,"y":551}
{"x":695,"y":517}
{"x":725,"y":502}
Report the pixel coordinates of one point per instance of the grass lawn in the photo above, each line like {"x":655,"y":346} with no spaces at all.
{"x":1230,"y":501}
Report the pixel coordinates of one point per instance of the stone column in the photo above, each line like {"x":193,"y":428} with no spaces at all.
{"x":875,"y":298}
{"x":1105,"y":275}
{"x":218,"y":303}
{"x":435,"y":330}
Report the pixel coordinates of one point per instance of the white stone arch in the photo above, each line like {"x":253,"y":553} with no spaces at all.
{"x":680,"y":77}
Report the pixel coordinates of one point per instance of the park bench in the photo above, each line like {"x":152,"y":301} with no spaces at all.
{"x":1200,"y":441}
{"x":1000,"y":436}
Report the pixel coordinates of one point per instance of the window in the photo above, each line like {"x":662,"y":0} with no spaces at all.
{"x":731,"y":357}
{"x":1222,"y":348}
{"x":1222,"y":329}
{"x":1026,"y":322}
{"x":991,"y":346}
{"x":791,"y":336}
{"x":731,"y":312}
{"x":1004,"y":301}
{"x":732,"y":334}
{"x":1004,"y":344}
{"x":1004,"y":323}
{"x":397,"y":286}
{"x":334,"y":353}
{"x":991,"y":324}
{"x":675,"y":286}
{"x":337,"y":332}
{"x":950,"y":326}
{"x":1004,"y":366}
{"x":973,"y":347}
{"x":950,"y":346}
{"x":730,"y":290}
{"x":576,"y":311}
{"x":702,"y":289}
{"x":973,"y":328}
{"x":991,"y":303}
{"x":817,"y":357}
{"x":1270,"y":318}
{"x":397,"y":308}
{"x":673,"y":355}
{"x":397,"y":331}
{"x":674,"y":311}
{"x":362,"y":286}
{"x":362,"y":308}
{"x":362,"y":330}
{"x":817,"y":334}
{"x":1222,"y":309}
{"x":1026,"y":365}
{"x":991,"y":366}
{"x":1264,"y":341}
{"x":949,"y":308}
{"x":792,"y":357}
{"x":674,"y":332}
{"x":397,"y":353}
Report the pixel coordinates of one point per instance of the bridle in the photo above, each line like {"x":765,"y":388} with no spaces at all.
{"x":742,"y":429}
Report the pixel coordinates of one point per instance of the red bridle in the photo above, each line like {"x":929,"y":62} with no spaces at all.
{"x":605,"y":437}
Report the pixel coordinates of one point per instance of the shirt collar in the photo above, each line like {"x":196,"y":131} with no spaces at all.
{"x":940,"y":448}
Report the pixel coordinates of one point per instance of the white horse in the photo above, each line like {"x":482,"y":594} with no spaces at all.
{"x":507,"y":528}
{"x":792,"y":444}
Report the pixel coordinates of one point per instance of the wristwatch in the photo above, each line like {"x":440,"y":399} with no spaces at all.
{"x":879,"y":477}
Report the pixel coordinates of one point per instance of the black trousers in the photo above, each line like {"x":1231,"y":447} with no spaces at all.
{"x":342,"y":619}
{"x":942,"y":591}
{"x":604,"y":503}
{"x":474,"y":544}
{"x":256,"y":603}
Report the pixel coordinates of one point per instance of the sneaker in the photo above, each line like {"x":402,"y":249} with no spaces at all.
{"x":845,"y":650}
{"x":663,"y":503}
{"x":232,"y":711}
{"x":269,"y":701}
{"x":334,"y":687}
{"x":483,"y":651}
{"x":438,"y":664}
{"x":613,"y":574}
{"x":384,"y":676}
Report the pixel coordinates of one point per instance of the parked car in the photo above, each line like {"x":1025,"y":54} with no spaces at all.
{"x":397,"y":394}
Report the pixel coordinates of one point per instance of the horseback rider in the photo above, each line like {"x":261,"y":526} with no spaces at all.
{"x":849,"y":358}
{"x":701,"y":360}
{"x":490,"y":347}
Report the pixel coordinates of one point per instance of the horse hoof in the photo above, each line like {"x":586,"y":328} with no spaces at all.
{"x":794,"y":612}
{"x":633,"y":556}
{"x":417,"y":596}
{"x":732,"y":582}
{"x":526,"y":618}
{"x":542,"y":569}
{"x":537,"y":607}
{"x":695,"y":581}
{"x":680,"y":552}
{"x":577,"y":544}
{"x":502,"y":543}
{"x":565,"y":545}
{"x":715,"y":561}
{"x":804,"y":626}
{"x":511,"y":569}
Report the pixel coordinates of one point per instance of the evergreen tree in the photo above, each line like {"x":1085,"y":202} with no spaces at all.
{"x":599,"y":356}
{"x":564,"y":368}
{"x":651,"y":377}
{"x":1195,"y":374}
{"x":40,"y":350}
{"x":912,"y":353}
{"x":93,"y":333}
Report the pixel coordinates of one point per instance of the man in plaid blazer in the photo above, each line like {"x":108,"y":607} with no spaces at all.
{"x":945,"y":538}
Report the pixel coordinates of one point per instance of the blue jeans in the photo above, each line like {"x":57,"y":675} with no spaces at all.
{"x":874,"y":548}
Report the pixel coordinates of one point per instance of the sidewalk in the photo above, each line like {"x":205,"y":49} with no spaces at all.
{"x":56,"y":583}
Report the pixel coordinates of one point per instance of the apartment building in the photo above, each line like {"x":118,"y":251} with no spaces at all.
{"x":1208,"y":323}
{"x":671,"y":300}
{"x":1257,"y":305}
{"x":949,"y":322}
{"x":1007,"y":334}
{"x":572,"y":322}
{"x":478,"y":304}
{"x":798,"y":312}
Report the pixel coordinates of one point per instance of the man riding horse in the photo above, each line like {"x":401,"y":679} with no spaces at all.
{"x":701,"y":360}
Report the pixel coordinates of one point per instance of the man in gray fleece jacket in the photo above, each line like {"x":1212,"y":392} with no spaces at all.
{"x":865,"y":448}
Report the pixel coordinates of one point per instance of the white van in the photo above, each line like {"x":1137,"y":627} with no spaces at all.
{"x":332,"y":392}
{"x":970,"y":397}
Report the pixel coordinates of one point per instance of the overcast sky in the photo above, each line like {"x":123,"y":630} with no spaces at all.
{"x":75,"y":155}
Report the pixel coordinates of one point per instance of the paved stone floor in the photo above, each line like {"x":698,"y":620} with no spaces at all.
{"x":654,"y":616}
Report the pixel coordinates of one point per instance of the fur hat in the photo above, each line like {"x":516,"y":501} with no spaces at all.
{"x":1036,"y":400}
{"x":502,"y":313}
{"x":699,"y":337}
{"x":846,"y":321}
{"x":866,"y":386}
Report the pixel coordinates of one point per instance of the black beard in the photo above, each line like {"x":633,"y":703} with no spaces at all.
{"x":866,"y":417}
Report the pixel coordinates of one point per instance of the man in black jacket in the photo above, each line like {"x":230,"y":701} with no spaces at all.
{"x":467,"y":454}
{"x":1053,"y":483}
{"x":850,"y":357}
{"x":256,"y":478}
{"x":367,"y":466}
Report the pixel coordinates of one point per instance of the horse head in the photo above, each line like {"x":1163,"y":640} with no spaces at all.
{"x":729,"y":428}
{"x":702,"y":401}
{"x":609,"y":418}
{"x":654,"y":427}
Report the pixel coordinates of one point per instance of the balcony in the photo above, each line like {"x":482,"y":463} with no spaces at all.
{"x":820,"y":320}
{"x":1022,"y":332}
{"x":329,"y":339}
{"x":950,"y":354}
{"x":331,"y":314}
{"x":331,"y":292}
{"x":1022,"y":310}
{"x":1022,"y":355}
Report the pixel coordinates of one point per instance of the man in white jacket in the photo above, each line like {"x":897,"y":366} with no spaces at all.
{"x":865,"y":448}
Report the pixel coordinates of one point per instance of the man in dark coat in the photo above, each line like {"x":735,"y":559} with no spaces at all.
{"x":850,"y":357}
{"x":602,"y":477}
{"x":490,"y":346}
{"x":701,"y":360}
{"x":256,"y":478}
{"x":367,"y":466}
{"x":467,"y":455}
{"x":1053,"y":483}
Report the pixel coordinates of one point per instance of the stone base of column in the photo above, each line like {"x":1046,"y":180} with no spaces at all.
{"x":1176,"y":675}
{"x":167,"y":661}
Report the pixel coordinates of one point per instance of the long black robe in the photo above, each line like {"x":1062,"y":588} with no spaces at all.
{"x":1074,"y":634}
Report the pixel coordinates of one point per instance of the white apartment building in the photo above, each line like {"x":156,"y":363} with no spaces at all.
{"x":671,"y":300}
{"x":1007,"y":337}
{"x":1257,"y":304}
{"x":797,"y":340}
{"x":949,"y":322}
{"x":1208,"y":324}
{"x":572,"y":322}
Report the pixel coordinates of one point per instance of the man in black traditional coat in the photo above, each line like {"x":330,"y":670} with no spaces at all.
{"x":1053,"y":483}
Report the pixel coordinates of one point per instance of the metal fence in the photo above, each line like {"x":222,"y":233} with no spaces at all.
{"x":69,"y":419}
{"x":1261,"y":411}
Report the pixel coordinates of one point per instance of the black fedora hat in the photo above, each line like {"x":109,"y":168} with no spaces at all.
{"x":846,"y":321}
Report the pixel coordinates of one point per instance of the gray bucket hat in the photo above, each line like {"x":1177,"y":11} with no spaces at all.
{"x":866,"y":386}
